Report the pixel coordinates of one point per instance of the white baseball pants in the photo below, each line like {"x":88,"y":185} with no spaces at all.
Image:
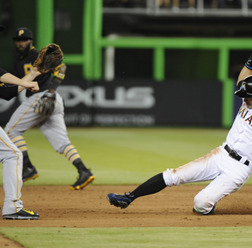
{"x":226,"y":174}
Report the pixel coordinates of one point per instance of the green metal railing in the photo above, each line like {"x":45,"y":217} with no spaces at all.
{"x":93,"y":43}
{"x":45,"y":22}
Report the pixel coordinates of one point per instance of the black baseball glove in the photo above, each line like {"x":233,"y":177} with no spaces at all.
{"x":45,"y":105}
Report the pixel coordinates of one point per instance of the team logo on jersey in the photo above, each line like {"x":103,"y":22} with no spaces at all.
{"x":243,"y":112}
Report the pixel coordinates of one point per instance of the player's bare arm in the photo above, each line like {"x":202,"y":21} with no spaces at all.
{"x":29,"y":78}
{"x":32,"y":86}
{"x":11,"y":79}
{"x":32,"y":74}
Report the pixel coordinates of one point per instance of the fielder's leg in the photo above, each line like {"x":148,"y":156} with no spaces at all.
{"x":29,"y":170}
{"x":85,"y":175}
{"x":54,"y":129}
{"x":21,"y":120}
{"x":11,"y":158}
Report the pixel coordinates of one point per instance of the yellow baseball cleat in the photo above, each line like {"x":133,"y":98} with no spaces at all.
{"x":23,"y":214}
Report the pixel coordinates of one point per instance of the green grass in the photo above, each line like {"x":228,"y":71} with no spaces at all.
{"x":144,"y":237}
{"x":121,"y":155}
{"x":124,"y":156}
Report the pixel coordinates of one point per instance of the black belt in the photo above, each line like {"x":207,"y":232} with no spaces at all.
{"x":234,"y":154}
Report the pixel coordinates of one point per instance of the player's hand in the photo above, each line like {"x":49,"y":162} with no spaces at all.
{"x":33,"y":86}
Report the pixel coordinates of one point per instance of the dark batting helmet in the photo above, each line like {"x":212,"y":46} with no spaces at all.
{"x":245,"y":90}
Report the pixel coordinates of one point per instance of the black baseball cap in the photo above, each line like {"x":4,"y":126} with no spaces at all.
{"x":22,"y":33}
{"x":245,"y":90}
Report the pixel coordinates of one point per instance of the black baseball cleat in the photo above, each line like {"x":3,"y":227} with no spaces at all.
{"x":121,"y":201}
{"x":85,"y":177}
{"x":29,"y":173}
{"x":23,"y":214}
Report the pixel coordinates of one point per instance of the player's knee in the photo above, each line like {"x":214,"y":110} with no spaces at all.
{"x":18,"y":154}
{"x":10,"y":132}
{"x":14,"y":154}
{"x":202,"y":204}
{"x":20,"y":157}
{"x":171,"y":178}
{"x":168,"y":178}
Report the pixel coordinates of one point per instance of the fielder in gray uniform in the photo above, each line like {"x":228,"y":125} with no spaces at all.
{"x":51,"y":124}
{"x":227,"y":167}
{"x":10,"y":155}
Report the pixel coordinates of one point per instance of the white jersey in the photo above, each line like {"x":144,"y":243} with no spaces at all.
{"x":239,"y":137}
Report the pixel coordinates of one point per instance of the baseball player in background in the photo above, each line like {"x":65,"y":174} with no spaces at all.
{"x":51,"y":123}
{"x":10,"y":155}
{"x":227,"y":166}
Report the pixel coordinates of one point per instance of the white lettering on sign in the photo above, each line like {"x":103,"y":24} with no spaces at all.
{"x":134,"y":97}
{"x":110,"y":119}
{"x":131,"y":98}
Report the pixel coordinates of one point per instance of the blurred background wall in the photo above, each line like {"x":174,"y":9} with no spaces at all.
{"x":176,"y":62}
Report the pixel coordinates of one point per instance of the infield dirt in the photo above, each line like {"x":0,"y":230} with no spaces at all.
{"x":61,"y":207}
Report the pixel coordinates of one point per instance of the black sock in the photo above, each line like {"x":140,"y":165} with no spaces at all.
{"x":79,"y":165}
{"x":152,"y":186}
{"x":26,"y":160}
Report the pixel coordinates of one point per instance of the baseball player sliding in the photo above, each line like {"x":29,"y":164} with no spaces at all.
{"x":44,"y":109}
{"x":227,"y":166}
{"x":10,"y":156}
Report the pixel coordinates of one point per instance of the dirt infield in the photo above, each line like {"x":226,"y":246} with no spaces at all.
{"x":61,"y":207}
